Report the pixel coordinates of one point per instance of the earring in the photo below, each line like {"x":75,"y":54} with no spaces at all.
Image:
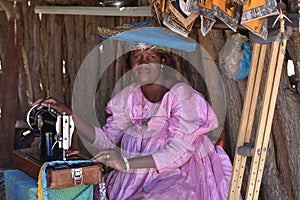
{"x":131,"y":76}
{"x":162,"y":67}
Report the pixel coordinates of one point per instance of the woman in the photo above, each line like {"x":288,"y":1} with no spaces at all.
{"x":160,"y":126}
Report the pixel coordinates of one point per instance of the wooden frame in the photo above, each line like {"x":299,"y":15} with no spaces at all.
{"x":265,"y":119}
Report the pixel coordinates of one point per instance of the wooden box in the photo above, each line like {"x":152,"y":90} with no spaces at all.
{"x":73,"y":175}
{"x":60,"y":176}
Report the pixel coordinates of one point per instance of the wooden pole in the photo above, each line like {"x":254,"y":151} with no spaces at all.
{"x":266,"y":118}
{"x":11,"y":63}
{"x":255,"y":74}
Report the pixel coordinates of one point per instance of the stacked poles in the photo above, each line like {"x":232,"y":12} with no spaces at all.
{"x":259,"y":151}
{"x":244,"y":148}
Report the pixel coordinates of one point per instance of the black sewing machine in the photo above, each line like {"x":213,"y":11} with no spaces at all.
{"x":54,"y":130}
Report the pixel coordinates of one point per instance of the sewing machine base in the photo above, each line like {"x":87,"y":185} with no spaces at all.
{"x":28,"y":161}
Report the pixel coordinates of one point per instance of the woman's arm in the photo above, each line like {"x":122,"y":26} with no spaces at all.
{"x":85,"y":129}
{"x":113,"y":159}
{"x":191,"y":118}
{"x":102,"y":140}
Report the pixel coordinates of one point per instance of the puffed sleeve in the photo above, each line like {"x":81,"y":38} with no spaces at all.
{"x":110,"y":134}
{"x":191,"y":117}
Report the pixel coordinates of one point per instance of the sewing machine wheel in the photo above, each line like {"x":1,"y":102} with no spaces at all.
{"x":33,"y":117}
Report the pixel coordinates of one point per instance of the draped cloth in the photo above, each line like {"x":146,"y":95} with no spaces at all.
{"x":255,"y":13}
{"x":178,"y":19}
{"x":174,"y":15}
{"x":187,"y":163}
{"x":19,"y":185}
{"x":228,"y":11}
{"x":204,"y":9}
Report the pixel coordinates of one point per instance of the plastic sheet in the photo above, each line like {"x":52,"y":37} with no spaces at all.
{"x":235,"y":57}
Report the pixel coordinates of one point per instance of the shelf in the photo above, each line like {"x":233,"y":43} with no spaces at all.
{"x":99,"y":11}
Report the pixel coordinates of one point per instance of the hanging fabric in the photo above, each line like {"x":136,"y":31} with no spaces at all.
{"x":255,"y":13}
{"x":180,"y":15}
{"x":174,"y":15}
{"x":178,"y":18}
{"x":204,"y":9}
{"x":184,"y":17}
{"x":228,"y":11}
{"x":157,"y":10}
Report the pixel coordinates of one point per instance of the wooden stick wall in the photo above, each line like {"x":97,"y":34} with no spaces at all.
{"x":50,"y":44}
{"x":52,"y":48}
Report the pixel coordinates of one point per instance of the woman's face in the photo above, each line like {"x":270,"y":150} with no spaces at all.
{"x":146,"y":66}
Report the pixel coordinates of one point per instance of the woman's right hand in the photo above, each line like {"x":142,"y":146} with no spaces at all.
{"x":54,"y":104}
{"x":85,"y":129}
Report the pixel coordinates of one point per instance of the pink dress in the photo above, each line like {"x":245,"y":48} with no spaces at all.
{"x":173,"y":131}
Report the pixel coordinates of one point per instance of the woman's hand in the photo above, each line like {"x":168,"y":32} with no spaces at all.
{"x":111,"y":158}
{"x":54,"y":104}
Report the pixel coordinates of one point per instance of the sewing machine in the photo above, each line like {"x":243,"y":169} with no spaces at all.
{"x":64,"y":128}
{"x":55,"y":132}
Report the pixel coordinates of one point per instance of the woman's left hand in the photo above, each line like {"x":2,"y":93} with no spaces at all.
{"x":111,"y":158}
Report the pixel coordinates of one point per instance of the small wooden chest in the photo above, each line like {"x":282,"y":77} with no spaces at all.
{"x":58,"y":176}
{"x":67,"y":176}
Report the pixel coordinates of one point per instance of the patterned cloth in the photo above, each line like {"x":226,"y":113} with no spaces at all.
{"x":180,"y":15}
{"x":188,"y":164}
{"x":250,"y":14}
{"x":178,"y":19}
{"x":204,"y":9}
{"x":255,"y":13}
{"x":19,"y":186}
{"x":174,"y":15}
{"x":228,"y":12}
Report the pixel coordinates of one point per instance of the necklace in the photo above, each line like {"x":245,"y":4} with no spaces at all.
{"x":146,"y":118}
{"x":144,"y":121}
